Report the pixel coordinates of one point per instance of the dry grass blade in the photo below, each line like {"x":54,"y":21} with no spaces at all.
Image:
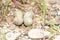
{"x":56,"y":28}
{"x":34,"y":0}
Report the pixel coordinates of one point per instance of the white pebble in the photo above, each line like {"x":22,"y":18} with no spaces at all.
{"x":47,"y":33}
{"x":58,"y":12}
{"x":35,"y":33}
{"x":12,"y":36}
{"x":57,"y":37}
{"x":29,"y":39}
{"x":26,"y":37}
{"x":3,"y":1}
{"x":33,"y":3}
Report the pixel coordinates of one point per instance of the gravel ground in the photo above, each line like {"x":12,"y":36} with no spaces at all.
{"x":23,"y":21}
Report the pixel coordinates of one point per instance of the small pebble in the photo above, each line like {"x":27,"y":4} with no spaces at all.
{"x":12,"y":35}
{"x":58,"y":13}
{"x":52,"y":2}
{"x":24,"y":38}
{"x":57,"y":37}
{"x":54,"y":12}
{"x":33,"y":3}
{"x":35,"y":33}
{"x":47,"y":33}
{"x":29,"y":39}
{"x":3,"y":1}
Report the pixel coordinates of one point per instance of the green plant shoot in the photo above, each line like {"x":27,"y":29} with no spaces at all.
{"x":3,"y":35}
{"x":6,"y":7}
{"x":44,"y":10}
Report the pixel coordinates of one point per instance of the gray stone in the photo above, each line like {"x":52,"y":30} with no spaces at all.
{"x":12,"y":35}
{"x":52,"y":1}
{"x":54,"y":12}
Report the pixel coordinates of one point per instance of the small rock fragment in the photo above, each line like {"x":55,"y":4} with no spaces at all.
{"x":54,"y":12}
{"x":25,"y":38}
{"x":33,"y":3}
{"x":52,"y":2}
{"x":3,"y":1}
{"x":57,"y":37}
{"x":12,"y":35}
{"x":47,"y":33}
{"x":58,"y":12}
{"x":35,"y":33}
